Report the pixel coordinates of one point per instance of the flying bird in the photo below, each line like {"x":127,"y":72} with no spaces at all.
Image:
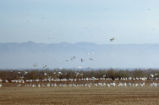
{"x":91,"y":59}
{"x":82,"y":60}
{"x":74,"y":57}
{"x":112,"y":39}
{"x":44,"y":66}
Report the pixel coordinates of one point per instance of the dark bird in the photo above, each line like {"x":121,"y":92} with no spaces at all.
{"x":112,"y":39}
{"x":82,"y":60}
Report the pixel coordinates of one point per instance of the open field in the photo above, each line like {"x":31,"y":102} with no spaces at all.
{"x":80,"y":96}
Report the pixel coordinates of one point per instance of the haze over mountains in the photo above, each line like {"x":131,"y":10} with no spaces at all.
{"x":66,"y":55}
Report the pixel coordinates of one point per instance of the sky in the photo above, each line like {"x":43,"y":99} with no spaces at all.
{"x":96,"y":21}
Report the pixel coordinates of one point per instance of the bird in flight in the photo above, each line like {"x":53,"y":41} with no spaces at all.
{"x":81,"y":60}
{"x":91,"y":59}
{"x":74,"y":57}
{"x":112,"y":39}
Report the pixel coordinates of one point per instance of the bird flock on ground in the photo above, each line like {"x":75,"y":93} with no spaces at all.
{"x":37,"y":83}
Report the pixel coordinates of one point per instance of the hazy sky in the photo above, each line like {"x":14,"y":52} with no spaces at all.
{"x":52,"y":21}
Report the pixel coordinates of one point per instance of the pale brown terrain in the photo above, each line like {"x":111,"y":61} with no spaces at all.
{"x":79,"y":96}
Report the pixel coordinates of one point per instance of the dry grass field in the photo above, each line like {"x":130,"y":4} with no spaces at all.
{"x":79,"y":96}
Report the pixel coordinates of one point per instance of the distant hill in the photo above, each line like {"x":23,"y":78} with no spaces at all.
{"x":78,"y":55}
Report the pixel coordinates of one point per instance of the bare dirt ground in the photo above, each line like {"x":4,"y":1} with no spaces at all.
{"x":79,"y":96}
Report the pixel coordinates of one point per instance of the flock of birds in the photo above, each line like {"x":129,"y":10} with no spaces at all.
{"x":82,"y":59}
{"x":74,"y":57}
